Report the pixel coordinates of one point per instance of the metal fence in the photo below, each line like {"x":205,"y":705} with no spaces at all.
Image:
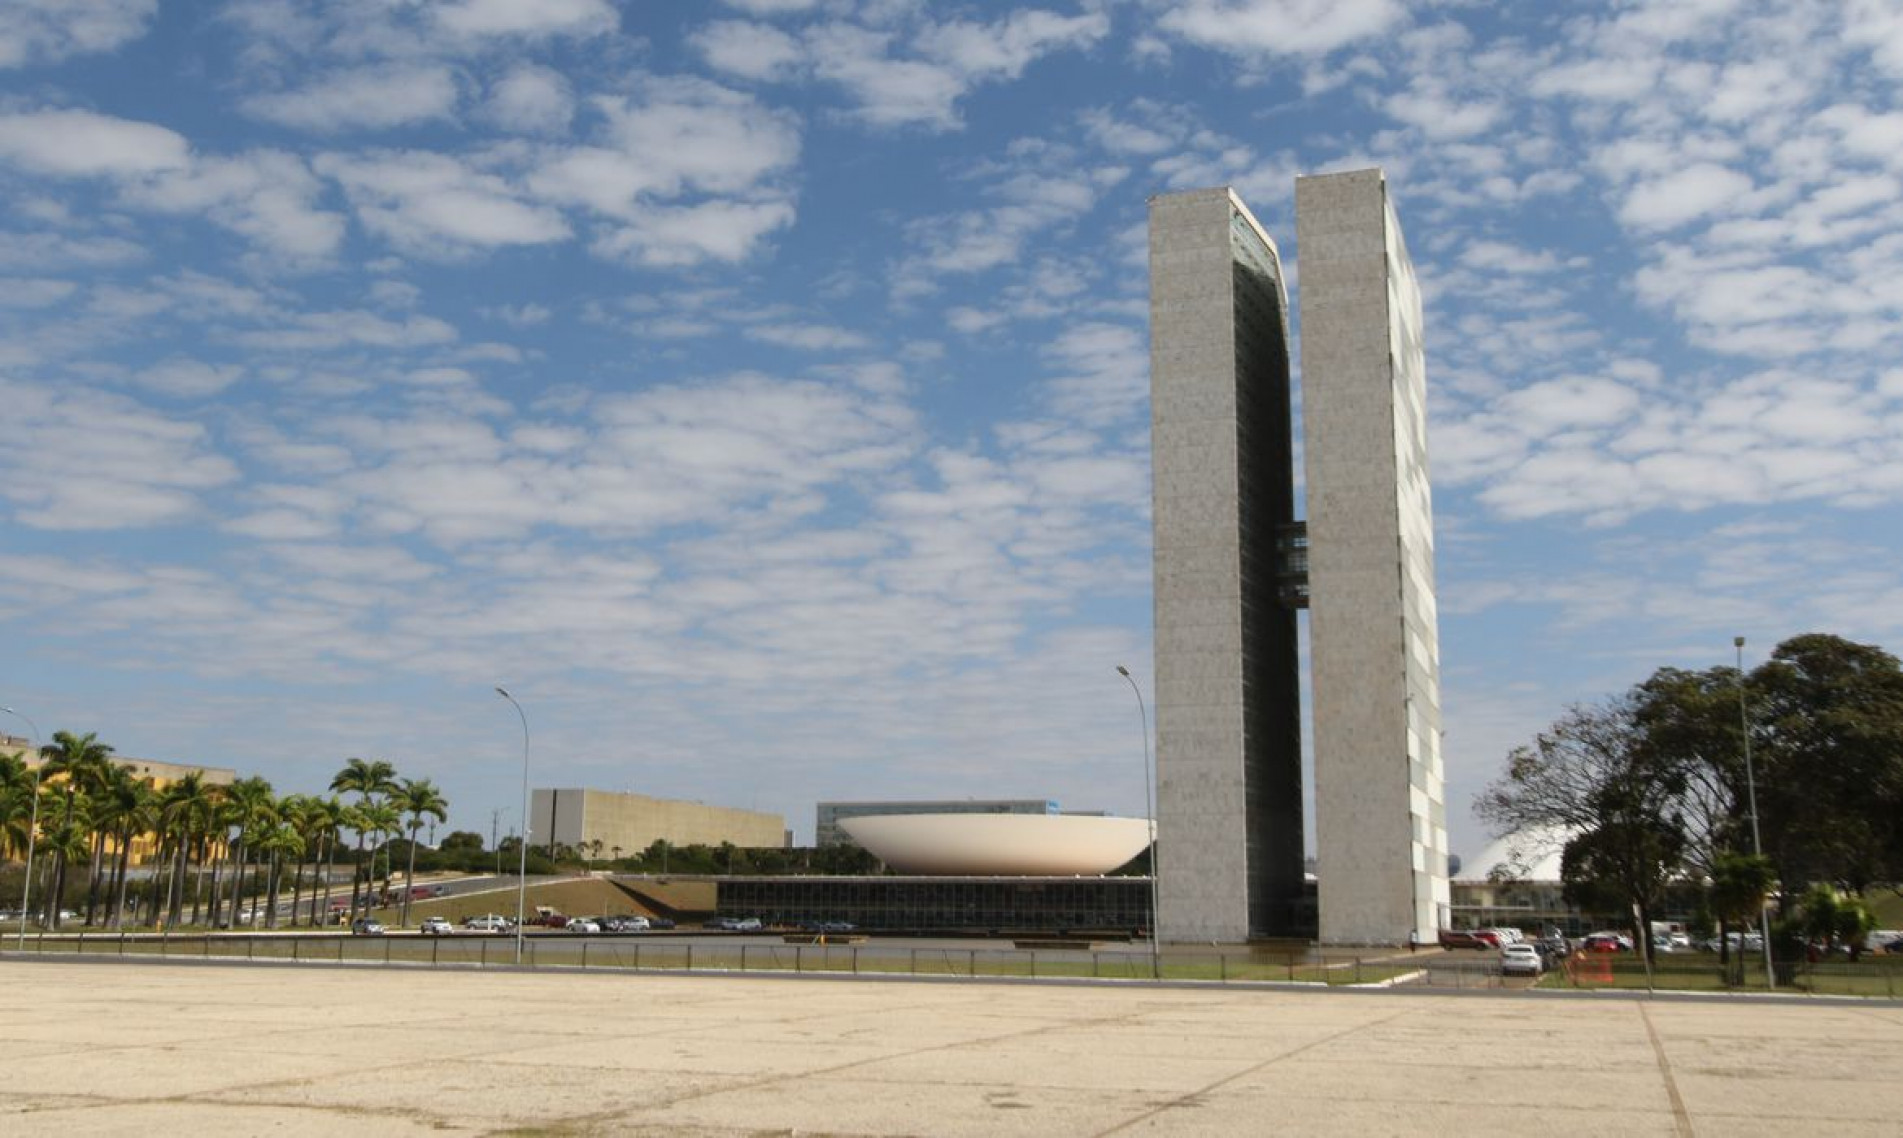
{"x":1874,"y":976}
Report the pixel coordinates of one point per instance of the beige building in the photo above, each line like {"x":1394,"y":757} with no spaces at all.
{"x":158,"y":774}
{"x":626,"y":824}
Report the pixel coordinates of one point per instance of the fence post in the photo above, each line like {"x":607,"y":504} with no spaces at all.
{"x":690,"y":956}
{"x":1222,"y":966}
{"x":799,"y":958}
{"x":743,"y":958}
{"x":584,"y":955}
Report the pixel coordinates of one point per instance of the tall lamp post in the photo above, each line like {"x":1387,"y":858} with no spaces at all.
{"x":522,"y":870}
{"x":1751,"y":793}
{"x":32,"y":829}
{"x":1149,"y":807}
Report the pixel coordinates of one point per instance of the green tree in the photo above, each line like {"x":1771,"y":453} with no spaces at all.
{"x":1739,"y":885}
{"x":1591,"y":777}
{"x":462,"y":842}
{"x":419,"y":799}
{"x":368,"y":779}
{"x":1827,"y":720}
{"x":82,"y":763}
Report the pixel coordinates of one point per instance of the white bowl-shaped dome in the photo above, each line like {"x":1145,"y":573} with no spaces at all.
{"x":1001,"y":845}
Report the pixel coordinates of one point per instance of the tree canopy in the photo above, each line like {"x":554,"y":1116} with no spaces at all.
{"x":1650,"y":786}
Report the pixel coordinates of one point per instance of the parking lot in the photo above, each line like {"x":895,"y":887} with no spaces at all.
{"x":121,"y":1047}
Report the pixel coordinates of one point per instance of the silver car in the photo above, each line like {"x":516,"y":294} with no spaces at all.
{"x":1521,"y":960}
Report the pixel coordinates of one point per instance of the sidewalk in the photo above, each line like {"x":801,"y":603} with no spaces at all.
{"x":114,"y":1048}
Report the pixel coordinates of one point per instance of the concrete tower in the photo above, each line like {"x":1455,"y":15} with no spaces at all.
{"x":1380,"y":821}
{"x":1228,"y":717}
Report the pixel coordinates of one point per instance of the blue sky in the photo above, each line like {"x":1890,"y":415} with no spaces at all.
{"x":759,"y":390}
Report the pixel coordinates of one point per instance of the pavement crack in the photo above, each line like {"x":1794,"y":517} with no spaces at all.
{"x":1681,"y":1119}
{"x":1195,"y":1097}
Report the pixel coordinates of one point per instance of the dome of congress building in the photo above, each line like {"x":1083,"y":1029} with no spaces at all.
{"x":1000,"y":845}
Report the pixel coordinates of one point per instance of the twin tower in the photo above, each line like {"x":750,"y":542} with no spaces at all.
{"x":1234,"y":567}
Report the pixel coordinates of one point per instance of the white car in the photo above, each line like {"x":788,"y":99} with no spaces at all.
{"x":488,"y":923}
{"x":582,"y":925}
{"x":1521,"y":960}
{"x":436,"y":926}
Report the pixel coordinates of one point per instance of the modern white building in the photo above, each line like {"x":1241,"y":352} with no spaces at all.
{"x":1228,"y":685}
{"x":1234,"y":566}
{"x":1374,"y":644}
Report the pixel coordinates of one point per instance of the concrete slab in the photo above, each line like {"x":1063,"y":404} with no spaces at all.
{"x":125,"y":1048}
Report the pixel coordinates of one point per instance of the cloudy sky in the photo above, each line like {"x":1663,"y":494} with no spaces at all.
{"x":760,"y":391}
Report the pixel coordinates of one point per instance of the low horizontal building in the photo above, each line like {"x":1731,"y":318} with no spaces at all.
{"x":625,"y":824}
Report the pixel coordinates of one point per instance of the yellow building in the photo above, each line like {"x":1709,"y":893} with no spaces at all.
{"x":630,"y":823}
{"x":158,"y":775}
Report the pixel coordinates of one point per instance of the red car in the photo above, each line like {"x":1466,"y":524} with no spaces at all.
{"x":1464,"y":938}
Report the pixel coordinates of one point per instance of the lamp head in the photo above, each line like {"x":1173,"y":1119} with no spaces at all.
{"x":1737,"y":642}
{"x":503,"y":692}
{"x":1123,"y":671}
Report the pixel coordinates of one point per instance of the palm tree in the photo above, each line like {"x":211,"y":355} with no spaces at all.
{"x":330,"y":817}
{"x":185,"y":817}
{"x":279,"y":839}
{"x":84,"y":761}
{"x":384,"y":821}
{"x":252,"y":811}
{"x":300,"y":811}
{"x":417,"y":798}
{"x":17,"y":787}
{"x":124,"y":812}
{"x":367,"y":779}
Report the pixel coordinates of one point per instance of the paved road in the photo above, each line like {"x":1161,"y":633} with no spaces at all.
{"x":114,"y":1048}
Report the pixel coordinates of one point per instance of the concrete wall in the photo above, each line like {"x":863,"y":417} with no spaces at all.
{"x":1228,"y":729}
{"x":1380,"y":820}
{"x":634,"y":822}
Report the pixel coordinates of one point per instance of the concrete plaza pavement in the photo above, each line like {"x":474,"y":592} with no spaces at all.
{"x":123,"y":1048}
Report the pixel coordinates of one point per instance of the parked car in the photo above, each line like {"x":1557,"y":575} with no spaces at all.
{"x":366,"y":926}
{"x":1606,"y":942}
{"x":1521,"y":960}
{"x":582,"y":925}
{"x":488,"y":923}
{"x":1460,"y":938}
{"x":436,"y":926}
{"x":634,"y":923}
{"x":660,"y":923}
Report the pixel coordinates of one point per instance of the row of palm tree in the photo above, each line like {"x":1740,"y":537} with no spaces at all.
{"x":218,"y":843}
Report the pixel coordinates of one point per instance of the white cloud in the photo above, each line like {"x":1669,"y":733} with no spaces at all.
{"x":920,"y":83}
{"x":531,"y":100}
{"x":436,"y":204}
{"x":47,"y":31}
{"x":374,"y":96}
{"x":348,"y":329}
{"x":188,"y":378}
{"x":1697,"y":191}
{"x":269,"y":197}
{"x":748,"y":50}
{"x":21,"y":292}
{"x":807,"y":337}
{"x":83,"y":144}
{"x":1279,"y":27}
{"x":152,"y":473}
{"x":527,"y":18}
{"x":715,"y":231}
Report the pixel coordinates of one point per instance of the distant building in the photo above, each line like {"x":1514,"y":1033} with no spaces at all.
{"x":630,"y":823}
{"x":159,"y":774}
{"x":826,"y":831}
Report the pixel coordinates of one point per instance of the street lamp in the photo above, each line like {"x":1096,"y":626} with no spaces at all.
{"x":1149,"y":807}
{"x":1751,"y":792}
{"x":522,"y":871}
{"x":32,"y":829}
